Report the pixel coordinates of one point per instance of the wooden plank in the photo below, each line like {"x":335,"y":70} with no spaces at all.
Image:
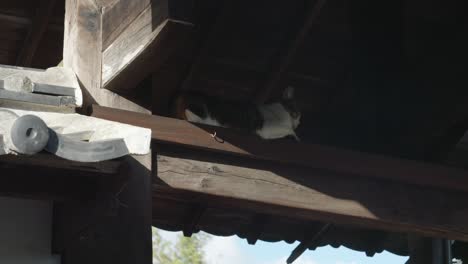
{"x":316,"y":195}
{"x":126,"y":63}
{"x":118,"y":14}
{"x":36,"y":31}
{"x":134,"y":40}
{"x":279,"y":71}
{"x":352,"y":163}
{"x":82,"y":53}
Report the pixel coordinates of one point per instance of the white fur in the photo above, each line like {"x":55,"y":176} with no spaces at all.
{"x":278,"y":123}
{"x":191,"y":117}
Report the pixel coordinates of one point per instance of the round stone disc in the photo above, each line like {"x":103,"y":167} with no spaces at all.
{"x":29,"y":134}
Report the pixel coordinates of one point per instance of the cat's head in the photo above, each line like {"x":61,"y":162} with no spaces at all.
{"x":289,"y":103}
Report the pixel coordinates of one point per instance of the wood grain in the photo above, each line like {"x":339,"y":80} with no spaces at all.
{"x":82,"y":53}
{"x":133,"y":40}
{"x":317,"y":195}
{"x":146,"y":53}
{"x":351,"y":163}
{"x":118,"y":15}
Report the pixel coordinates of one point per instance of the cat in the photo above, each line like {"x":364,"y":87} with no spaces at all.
{"x":269,"y":121}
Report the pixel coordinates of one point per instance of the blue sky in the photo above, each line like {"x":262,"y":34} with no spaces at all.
{"x":233,"y":250}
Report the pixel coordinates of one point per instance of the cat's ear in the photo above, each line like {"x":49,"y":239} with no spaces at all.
{"x":191,"y":116}
{"x":288,"y":93}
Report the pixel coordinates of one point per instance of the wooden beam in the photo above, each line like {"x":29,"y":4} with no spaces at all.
{"x":205,"y":34}
{"x":194,"y":214}
{"x":280,"y":70}
{"x":41,"y":181}
{"x":312,"y":194}
{"x":123,"y":42}
{"x":352,"y":163}
{"x":53,"y":162}
{"x":310,"y":241}
{"x":126,"y":63}
{"x":118,"y":15}
{"x":144,"y":30}
{"x":82,"y":53}
{"x":35,"y":33}
{"x":256,"y":228}
{"x":130,"y":207}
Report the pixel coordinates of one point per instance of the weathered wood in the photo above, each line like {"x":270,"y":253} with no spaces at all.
{"x":351,"y":163}
{"x":36,"y":31}
{"x":278,"y":73}
{"x":82,"y":53}
{"x":117,"y":15}
{"x":317,"y":195}
{"x":121,"y":43}
{"x":149,"y":49}
{"x":134,"y":40}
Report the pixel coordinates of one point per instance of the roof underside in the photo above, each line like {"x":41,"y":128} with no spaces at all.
{"x":383,"y":77}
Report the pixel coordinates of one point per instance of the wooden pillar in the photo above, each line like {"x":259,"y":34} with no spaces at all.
{"x":116,"y":226}
{"x":428,"y":251}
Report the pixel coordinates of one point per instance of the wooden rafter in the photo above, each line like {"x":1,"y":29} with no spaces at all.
{"x":205,"y":35}
{"x":280,"y":69}
{"x":310,"y":241}
{"x":37,"y":29}
{"x":303,"y":193}
{"x":353,"y":163}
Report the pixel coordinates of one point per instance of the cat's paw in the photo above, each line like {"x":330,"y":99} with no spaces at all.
{"x":191,"y":117}
{"x":296,"y":137}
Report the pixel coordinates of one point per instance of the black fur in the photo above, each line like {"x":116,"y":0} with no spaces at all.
{"x":239,"y":115}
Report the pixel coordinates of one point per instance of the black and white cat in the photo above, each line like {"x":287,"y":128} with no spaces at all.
{"x":269,"y":121}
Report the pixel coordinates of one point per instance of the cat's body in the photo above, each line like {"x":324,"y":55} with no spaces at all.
{"x":269,"y":121}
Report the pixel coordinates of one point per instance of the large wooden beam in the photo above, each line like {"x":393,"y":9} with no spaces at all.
{"x":54,"y":162}
{"x":351,"y":163}
{"x":118,"y":15}
{"x":120,"y":229}
{"x":126,"y":63}
{"x":89,"y":23}
{"x":115,"y":44}
{"x":313,"y":194}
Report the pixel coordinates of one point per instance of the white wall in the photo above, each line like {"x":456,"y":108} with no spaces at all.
{"x":26,"y":232}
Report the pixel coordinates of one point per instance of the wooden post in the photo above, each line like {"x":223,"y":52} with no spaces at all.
{"x":113,"y":228}
{"x":116,"y":226}
{"x":113,"y":47}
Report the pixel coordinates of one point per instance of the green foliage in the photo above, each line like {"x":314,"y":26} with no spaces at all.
{"x":161,"y":249}
{"x":185,"y":251}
